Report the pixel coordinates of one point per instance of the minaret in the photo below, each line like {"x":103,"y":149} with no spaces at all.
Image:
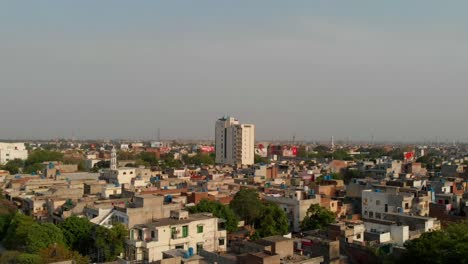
{"x":332,"y":143}
{"x":113,"y":161}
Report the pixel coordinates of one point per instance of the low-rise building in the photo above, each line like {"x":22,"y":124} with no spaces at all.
{"x":147,"y":242}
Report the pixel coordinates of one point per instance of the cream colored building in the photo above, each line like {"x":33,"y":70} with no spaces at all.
{"x":147,"y":242}
{"x":235,"y":142}
{"x":295,"y":204}
{"x":11,"y":151}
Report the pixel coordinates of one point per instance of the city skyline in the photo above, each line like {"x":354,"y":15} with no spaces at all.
{"x":393,"y":71}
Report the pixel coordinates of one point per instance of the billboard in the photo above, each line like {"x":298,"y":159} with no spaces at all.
{"x":261,"y":150}
{"x":409,"y":156}
{"x":289,"y":151}
{"x":164,"y":150}
{"x":207,"y":149}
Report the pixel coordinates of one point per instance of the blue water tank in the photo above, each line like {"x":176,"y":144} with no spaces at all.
{"x":51,"y":165}
{"x":190,"y":251}
{"x":165,"y":188}
{"x":186,"y":255}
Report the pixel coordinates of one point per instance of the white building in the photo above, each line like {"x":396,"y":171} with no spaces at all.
{"x":147,"y":242}
{"x":295,"y":204}
{"x":11,"y":151}
{"x":235,"y":142}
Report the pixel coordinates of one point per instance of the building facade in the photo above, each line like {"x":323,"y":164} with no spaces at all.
{"x":181,"y":231}
{"x":235,"y":142}
{"x":11,"y":151}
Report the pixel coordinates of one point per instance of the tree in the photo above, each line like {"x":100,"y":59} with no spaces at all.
{"x":219,"y":210}
{"x":41,"y":155}
{"x":341,"y":155}
{"x":272,"y":221}
{"x":101,"y":165}
{"x":16,"y":234}
{"x":149,"y":157}
{"x":36,"y":168}
{"x":321,"y":149}
{"x":317,"y":217}
{"x":24,"y":234}
{"x":26,"y":258}
{"x":125,"y":155}
{"x":247,"y":205}
{"x":109,"y":243}
{"x":449,"y":245}
{"x":58,"y":253}
{"x":41,"y":236}
{"x":77,"y":233}
{"x":260,"y":159}
{"x":14,"y":166}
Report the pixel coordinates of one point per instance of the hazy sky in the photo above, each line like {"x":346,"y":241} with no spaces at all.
{"x":120,"y":69}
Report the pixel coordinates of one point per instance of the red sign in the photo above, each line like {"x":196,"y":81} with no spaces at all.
{"x":409,"y":155}
{"x":165,"y":150}
{"x":207,"y":149}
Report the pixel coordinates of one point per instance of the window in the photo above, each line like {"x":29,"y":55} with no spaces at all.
{"x":200,"y":229}
{"x":371,"y":214}
{"x":378,"y":215}
{"x":358,"y":236}
{"x":365,"y":213}
{"x":181,"y":246}
{"x":406,"y":205}
{"x":221,"y":241}
{"x":377,"y":202}
{"x":153,"y":234}
{"x":199,"y":247}
{"x":185,"y":231}
{"x":386,"y":207}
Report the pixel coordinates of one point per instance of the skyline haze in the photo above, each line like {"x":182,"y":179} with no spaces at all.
{"x":313,"y":69}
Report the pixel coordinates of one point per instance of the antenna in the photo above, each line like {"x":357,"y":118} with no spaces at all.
{"x":159,"y":135}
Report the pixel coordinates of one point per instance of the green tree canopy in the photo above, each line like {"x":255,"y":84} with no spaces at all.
{"x":272,"y":221}
{"x":247,"y":205}
{"x":13,"y":166}
{"x":317,"y":217}
{"x":449,"y":245}
{"x":25,"y":234}
{"x":149,"y":157}
{"x":219,"y":210}
{"x":17,"y":232}
{"x":77,"y":233}
{"x":36,"y":168}
{"x":58,"y":253}
{"x":41,"y":236}
{"x":109,"y":242}
{"x":42,"y":155}
{"x":260,"y":159}
{"x":26,"y":258}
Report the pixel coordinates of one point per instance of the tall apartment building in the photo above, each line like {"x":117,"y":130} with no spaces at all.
{"x":235,"y":142}
{"x":11,"y":151}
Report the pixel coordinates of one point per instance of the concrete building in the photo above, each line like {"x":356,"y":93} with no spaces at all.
{"x":11,"y":151}
{"x":235,"y":142}
{"x":295,"y":204}
{"x":193,"y":232}
{"x":388,"y":199}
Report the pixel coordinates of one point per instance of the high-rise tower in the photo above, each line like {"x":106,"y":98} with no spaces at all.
{"x":235,"y":142}
{"x":113,"y":161}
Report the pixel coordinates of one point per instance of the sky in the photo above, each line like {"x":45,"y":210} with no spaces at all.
{"x":395,"y":70}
